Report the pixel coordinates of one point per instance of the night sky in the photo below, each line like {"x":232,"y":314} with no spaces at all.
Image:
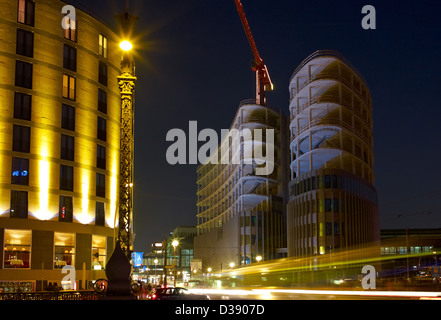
{"x":193,"y":64}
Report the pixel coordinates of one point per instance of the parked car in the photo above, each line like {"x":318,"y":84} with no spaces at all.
{"x":175,"y":293}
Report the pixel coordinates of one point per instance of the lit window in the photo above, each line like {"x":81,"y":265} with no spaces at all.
{"x":98,"y":252}
{"x":68,"y":87}
{"x":26,"y":10}
{"x":99,"y":214}
{"x":64,"y":249}
{"x":17,"y":250}
{"x":102,"y":41}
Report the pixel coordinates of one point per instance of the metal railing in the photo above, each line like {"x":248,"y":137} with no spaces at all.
{"x":52,"y":295}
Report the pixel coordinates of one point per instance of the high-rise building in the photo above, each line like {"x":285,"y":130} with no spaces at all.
{"x":59,"y":147}
{"x":241,"y":212}
{"x":332,"y":198}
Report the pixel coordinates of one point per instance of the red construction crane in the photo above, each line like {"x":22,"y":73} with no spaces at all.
{"x":263,"y":81}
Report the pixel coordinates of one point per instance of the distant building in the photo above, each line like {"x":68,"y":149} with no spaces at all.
{"x":241,"y":214}
{"x":406,"y":250}
{"x":59,"y":147}
{"x":332,"y":198}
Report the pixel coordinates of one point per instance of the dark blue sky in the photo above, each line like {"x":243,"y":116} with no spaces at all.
{"x":193,"y":63}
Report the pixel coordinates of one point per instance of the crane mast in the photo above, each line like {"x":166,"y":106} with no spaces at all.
{"x":263,"y":80}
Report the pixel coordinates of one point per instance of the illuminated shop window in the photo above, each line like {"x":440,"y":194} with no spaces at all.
{"x":98,"y":252}
{"x":17,"y":249}
{"x":64,"y":252}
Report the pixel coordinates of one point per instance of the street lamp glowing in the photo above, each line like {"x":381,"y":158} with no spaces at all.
{"x":175,"y":243}
{"x":258,"y":258}
{"x":231,"y":264}
{"x":125,"y":45}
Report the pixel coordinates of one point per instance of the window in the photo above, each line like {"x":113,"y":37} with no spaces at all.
{"x":99,"y":214}
{"x":335,"y":205}
{"x":70,"y":58}
{"x":102,"y":101}
{"x":328,"y":228}
{"x":66,"y":177}
{"x":102,"y":73}
{"x":65,"y":213}
{"x":68,"y":117}
{"x":68,"y":87}
{"x":327,"y":181}
{"x":98,"y":252}
{"x":71,"y":32}
{"x":102,"y":50}
{"x":22,"y":106}
{"x":19,"y":204}
{"x":67,"y":147}
{"x":23,"y":74}
{"x":100,"y":185}
{"x":25,"y":43}
{"x":17,"y":248}
{"x":101,"y":157}
{"x":20,"y":171}
{"x":328,"y":205}
{"x":101,"y":129}
{"x":26,"y":10}
{"x":21,"y":138}
{"x":64,"y":249}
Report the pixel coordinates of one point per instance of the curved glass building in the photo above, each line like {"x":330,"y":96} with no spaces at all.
{"x":241,"y":212}
{"x":332,"y":199}
{"x":59,"y":147}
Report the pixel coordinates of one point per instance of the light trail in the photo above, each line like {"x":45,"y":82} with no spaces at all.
{"x":269,"y":293}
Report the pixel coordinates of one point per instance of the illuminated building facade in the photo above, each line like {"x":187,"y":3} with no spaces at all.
{"x":59,"y":147}
{"x":332,"y":200}
{"x":241,"y":215}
